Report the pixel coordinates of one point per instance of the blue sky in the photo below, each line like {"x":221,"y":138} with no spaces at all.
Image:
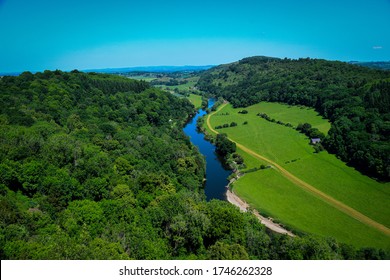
{"x":84,"y":34}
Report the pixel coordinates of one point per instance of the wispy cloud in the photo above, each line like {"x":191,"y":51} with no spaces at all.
{"x":377,"y":47}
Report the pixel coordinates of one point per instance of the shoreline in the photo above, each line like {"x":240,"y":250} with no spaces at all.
{"x":232,"y":198}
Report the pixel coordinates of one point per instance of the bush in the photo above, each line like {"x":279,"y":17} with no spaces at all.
{"x":237,"y":158}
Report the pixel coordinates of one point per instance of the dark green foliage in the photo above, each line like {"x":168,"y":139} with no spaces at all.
{"x":237,"y":158}
{"x":222,"y":251}
{"x":309,"y":131}
{"x":304,"y":128}
{"x":223,"y":145}
{"x":199,"y":124}
{"x":91,"y":137}
{"x":204,"y":102}
{"x":318,"y":147}
{"x":226,"y":220}
{"x":355,"y":99}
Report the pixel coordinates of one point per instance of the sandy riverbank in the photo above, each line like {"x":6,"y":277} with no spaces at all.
{"x":235,"y":200}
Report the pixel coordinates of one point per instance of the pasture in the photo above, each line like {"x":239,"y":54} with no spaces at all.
{"x":196,"y":100}
{"x":293,"y":115}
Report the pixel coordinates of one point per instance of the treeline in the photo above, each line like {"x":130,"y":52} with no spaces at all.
{"x":224,"y":146}
{"x":355,"y":99}
{"x":268,"y":118}
{"x":170,"y":82}
{"x":88,"y":171}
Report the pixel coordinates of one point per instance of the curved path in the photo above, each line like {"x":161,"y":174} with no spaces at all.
{"x":307,"y":187}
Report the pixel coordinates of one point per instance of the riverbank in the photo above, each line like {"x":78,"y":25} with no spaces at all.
{"x":244,"y":207}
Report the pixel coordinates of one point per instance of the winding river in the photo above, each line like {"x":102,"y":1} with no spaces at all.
{"x":216,"y":173}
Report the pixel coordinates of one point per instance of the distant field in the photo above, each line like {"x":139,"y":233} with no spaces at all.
{"x":196,"y":100}
{"x":146,"y":79}
{"x":185,"y":86}
{"x":293,"y":115}
{"x":275,"y":195}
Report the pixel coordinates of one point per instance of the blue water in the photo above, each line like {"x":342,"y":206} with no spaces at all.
{"x":216,"y":174}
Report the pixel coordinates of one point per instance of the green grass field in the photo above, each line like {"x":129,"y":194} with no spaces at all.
{"x":145,"y":78}
{"x":185,"y":86}
{"x":274,"y":195}
{"x":293,"y":115}
{"x":196,"y":100}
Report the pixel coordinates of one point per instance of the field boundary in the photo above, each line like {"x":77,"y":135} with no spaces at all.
{"x":307,"y":187}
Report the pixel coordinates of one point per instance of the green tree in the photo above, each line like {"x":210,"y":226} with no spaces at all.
{"x":223,"y":251}
{"x":223,"y":145}
{"x":83,"y":213}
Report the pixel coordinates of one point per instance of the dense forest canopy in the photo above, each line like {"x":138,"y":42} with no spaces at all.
{"x":355,"y":99}
{"x":96,"y":166}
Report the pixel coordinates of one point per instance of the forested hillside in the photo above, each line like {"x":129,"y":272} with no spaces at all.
{"x":97,"y":167}
{"x":355,"y":99}
{"x":385,"y":65}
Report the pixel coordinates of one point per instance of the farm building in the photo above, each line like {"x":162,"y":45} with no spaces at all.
{"x":315,"y":140}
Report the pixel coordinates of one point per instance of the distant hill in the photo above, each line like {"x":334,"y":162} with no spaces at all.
{"x":10,"y":74}
{"x":160,"y":69}
{"x":385,"y":65}
{"x":355,"y":99}
{"x":164,"y":69}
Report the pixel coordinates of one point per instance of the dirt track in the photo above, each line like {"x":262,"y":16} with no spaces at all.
{"x":309,"y":188}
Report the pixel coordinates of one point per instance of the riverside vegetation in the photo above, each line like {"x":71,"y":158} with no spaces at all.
{"x":96,"y":166}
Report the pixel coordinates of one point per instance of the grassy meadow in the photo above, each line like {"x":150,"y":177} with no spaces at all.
{"x":186,"y":86}
{"x":143,"y":78}
{"x":196,"y":100}
{"x":294,"y":115}
{"x":274,"y":195}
